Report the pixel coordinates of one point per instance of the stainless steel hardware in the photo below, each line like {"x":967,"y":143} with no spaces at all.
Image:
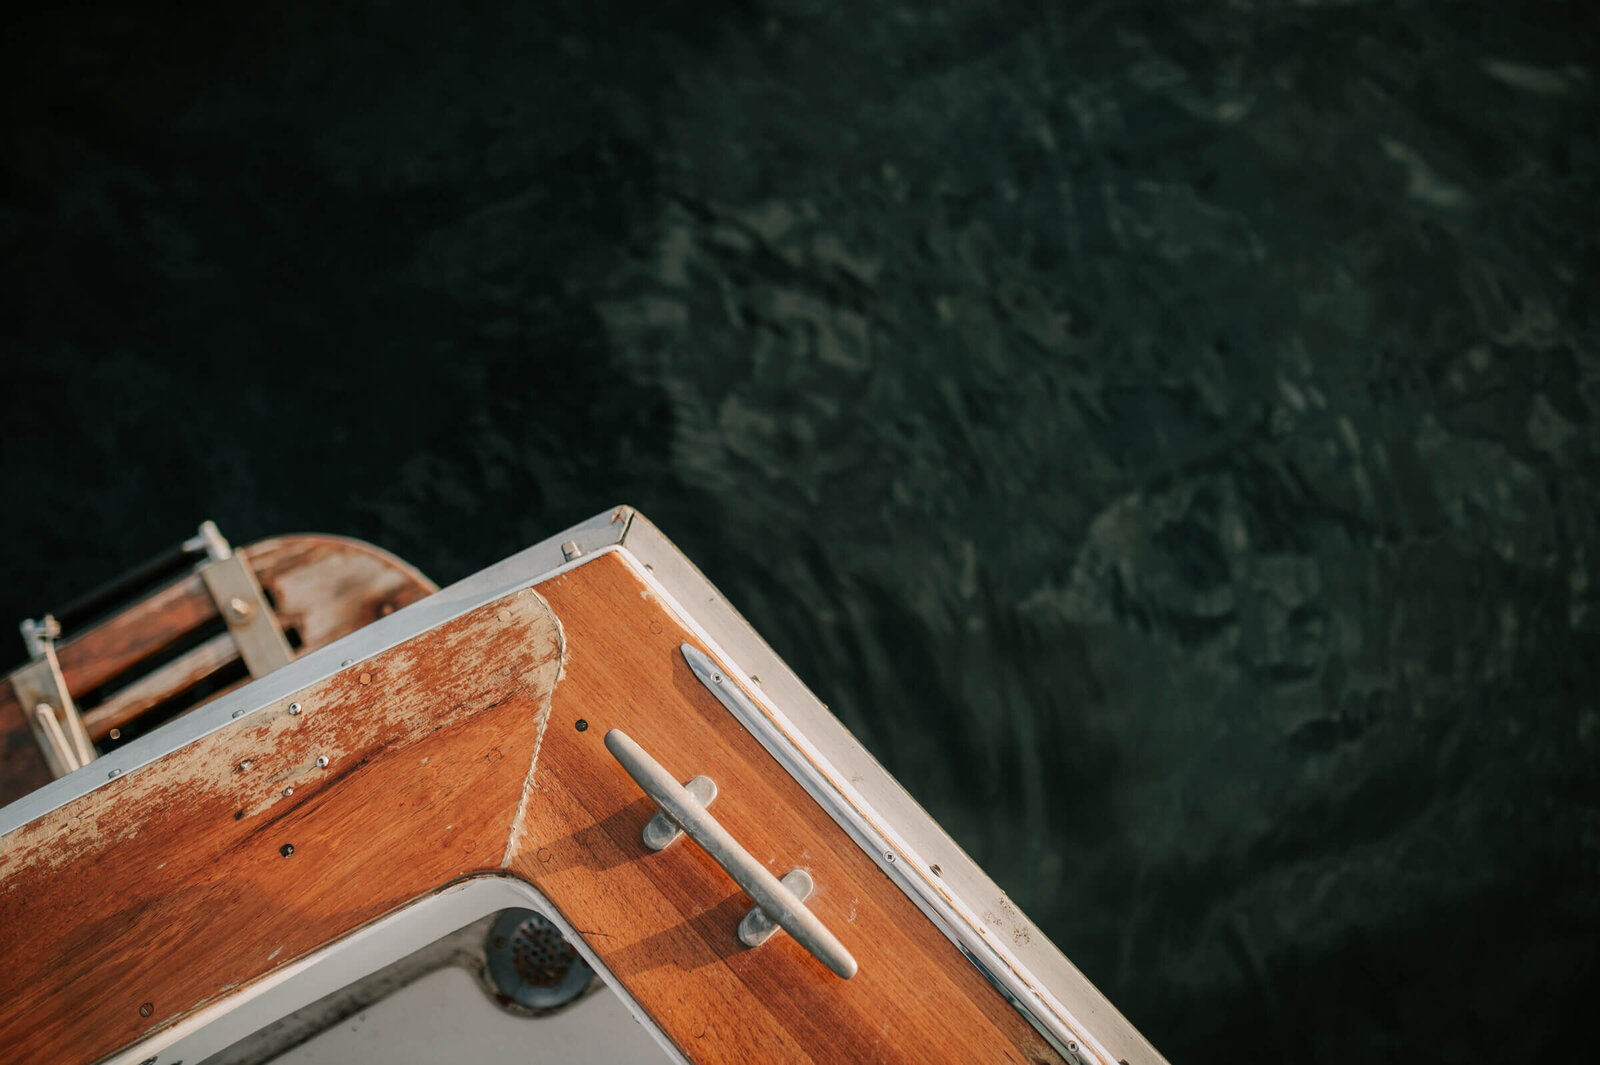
{"x":757,"y":927}
{"x":776,"y":901}
{"x":662,"y":831}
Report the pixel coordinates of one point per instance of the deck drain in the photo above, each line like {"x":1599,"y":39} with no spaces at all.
{"x":532,"y":964}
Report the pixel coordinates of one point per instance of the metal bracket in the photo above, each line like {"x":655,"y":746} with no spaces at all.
{"x":238,"y":595}
{"x":41,"y":690}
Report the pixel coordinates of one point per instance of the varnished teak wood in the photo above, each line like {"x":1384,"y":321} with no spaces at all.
{"x":170,"y":887}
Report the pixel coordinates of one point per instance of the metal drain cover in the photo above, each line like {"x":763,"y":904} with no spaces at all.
{"x":532,"y":964}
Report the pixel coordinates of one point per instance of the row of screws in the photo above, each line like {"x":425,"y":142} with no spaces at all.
{"x":322,"y":761}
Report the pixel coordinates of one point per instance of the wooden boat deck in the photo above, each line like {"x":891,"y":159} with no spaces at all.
{"x":140,"y":902}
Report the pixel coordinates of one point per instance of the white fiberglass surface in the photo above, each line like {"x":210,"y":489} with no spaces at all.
{"x":445,"y":1016}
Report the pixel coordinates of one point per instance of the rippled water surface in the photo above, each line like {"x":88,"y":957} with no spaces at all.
{"x":1164,"y":434}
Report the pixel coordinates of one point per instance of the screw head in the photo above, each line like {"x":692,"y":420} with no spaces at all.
{"x":286,"y":850}
{"x":582,"y":725}
{"x":114,"y":774}
{"x":238,"y":608}
{"x":322,"y":761}
{"x":146,"y":1009}
{"x":288,"y":791}
{"x":294,"y":708}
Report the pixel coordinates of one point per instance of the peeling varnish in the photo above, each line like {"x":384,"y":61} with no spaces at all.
{"x":252,"y":761}
{"x":520,"y":834}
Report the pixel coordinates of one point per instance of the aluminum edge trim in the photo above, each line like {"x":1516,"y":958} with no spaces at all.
{"x":865,"y":799}
{"x":543,"y":560}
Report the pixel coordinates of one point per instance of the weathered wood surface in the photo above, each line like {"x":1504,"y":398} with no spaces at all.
{"x":323,"y":586}
{"x":164,"y":889}
{"x":191,"y":896}
{"x":326,"y":586}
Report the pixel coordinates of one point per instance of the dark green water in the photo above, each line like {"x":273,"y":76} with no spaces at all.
{"x":1165,"y":435}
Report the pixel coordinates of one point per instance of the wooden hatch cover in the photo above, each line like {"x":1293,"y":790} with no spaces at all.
{"x":166,"y":890}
